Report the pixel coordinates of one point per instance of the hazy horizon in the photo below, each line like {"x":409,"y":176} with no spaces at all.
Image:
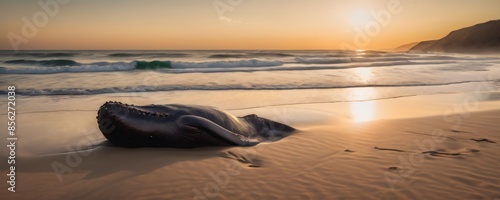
{"x":240,"y":25}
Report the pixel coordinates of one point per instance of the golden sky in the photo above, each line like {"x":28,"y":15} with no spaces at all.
{"x":233,"y":24}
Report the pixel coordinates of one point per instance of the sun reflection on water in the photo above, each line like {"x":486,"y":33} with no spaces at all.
{"x":362,"y":111}
{"x":364,"y":74}
{"x":361,"y":108}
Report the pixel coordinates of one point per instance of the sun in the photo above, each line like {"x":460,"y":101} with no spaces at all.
{"x":360,"y":18}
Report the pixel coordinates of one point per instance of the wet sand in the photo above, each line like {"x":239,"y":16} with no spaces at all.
{"x":426,"y":147}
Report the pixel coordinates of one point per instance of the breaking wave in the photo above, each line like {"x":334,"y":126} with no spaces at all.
{"x":62,"y":66}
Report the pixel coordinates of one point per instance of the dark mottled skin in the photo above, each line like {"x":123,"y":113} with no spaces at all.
{"x":183,"y":126}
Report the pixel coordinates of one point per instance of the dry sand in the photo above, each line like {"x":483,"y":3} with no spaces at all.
{"x":406,"y":148}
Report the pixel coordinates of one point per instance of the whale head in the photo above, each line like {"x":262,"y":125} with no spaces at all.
{"x":134,"y":126}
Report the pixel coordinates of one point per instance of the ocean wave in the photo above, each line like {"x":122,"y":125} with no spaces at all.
{"x":227,"y":64}
{"x":62,"y":66}
{"x":45,"y":55}
{"x":153,"y":65}
{"x":322,"y":60}
{"x":47,"y":63}
{"x":143,"y":88}
{"x":250,"y":55}
{"x":273,"y":54}
{"x":202,"y":67}
{"x":167,"y":55}
{"x":95,"y":67}
{"x":228,"y":56}
{"x":336,"y":59}
{"x":313,"y":60}
{"x":306,"y":68}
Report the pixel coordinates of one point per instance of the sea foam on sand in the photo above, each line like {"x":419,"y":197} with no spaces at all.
{"x":424,"y":147}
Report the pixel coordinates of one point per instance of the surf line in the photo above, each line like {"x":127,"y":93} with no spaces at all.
{"x":11,"y":138}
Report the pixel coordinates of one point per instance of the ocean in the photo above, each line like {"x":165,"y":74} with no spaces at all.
{"x":78,"y":82}
{"x":49,"y":73}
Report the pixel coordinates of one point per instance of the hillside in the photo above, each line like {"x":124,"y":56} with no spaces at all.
{"x":483,"y":37}
{"x":405,"y":47}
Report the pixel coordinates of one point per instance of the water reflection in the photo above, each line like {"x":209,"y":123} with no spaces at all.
{"x":361,"y":109}
{"x":361,"y":94}
{"x":360,"y":52}
{"x":364,"y":74}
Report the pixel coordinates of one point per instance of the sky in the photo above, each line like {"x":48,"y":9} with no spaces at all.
{"x":233,"y":24}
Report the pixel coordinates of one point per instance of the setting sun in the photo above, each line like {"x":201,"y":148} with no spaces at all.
{"x":359,"y":18}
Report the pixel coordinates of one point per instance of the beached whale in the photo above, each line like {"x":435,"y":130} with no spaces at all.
{"x":183,"y":126}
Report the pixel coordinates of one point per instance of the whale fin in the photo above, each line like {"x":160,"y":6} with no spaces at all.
{"x":268,"y":130}
{"x":192,"y":121}
{"x":260,"y":123}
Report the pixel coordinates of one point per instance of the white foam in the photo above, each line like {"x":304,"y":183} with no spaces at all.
{"x":322,"y":60}
{"x":227,"y":64}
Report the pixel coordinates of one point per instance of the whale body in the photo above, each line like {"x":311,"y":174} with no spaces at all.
{"x":183,"y":126}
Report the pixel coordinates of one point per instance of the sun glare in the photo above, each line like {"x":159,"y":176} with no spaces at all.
{"x":362,"y":111}
{"x":359,"y":18}
{"x":363,"y":74}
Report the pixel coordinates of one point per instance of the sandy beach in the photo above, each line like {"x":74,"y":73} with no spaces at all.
{"x":441,"y":146}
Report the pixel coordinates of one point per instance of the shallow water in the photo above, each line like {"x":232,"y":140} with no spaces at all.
{"x":101,"y":72}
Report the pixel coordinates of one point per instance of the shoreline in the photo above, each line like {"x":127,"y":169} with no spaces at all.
{"x":397,"y":151}
{"x":59,"y":112}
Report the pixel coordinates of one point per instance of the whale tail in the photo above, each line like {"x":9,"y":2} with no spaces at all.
{"x":268,"y":130}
